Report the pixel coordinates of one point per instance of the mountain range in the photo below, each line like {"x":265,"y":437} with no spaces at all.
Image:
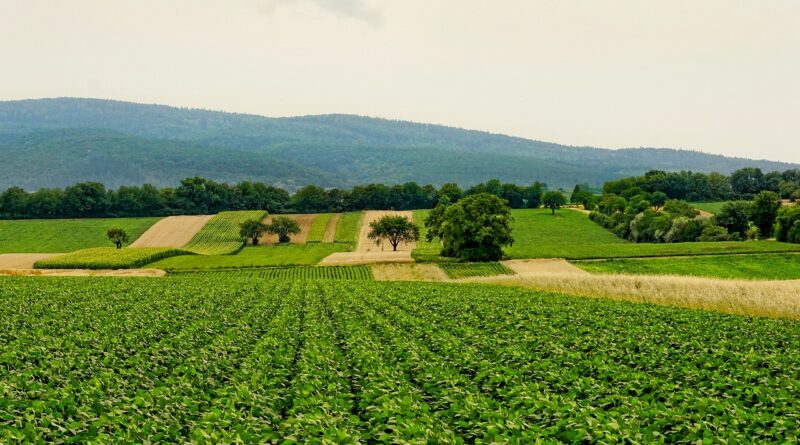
{"x":58,"y":142}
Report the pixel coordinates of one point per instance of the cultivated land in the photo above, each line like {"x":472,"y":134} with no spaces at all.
{"x":23,"y":260}
{"x":367,"y":252}
{"x":264,"y":256}
{"x":305,"y":222}
{"x":109,"y":258}
{"x":757,"y":266}
{"x":220,"y":236}
{"x":221,"y":360}
{"x":65,"y":235}
{"x":172,"y":231}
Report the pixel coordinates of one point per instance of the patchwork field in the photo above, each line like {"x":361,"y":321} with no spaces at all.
{"x":367,"y":251}
{"x":288,"y":273}
{"x":109,"y":258}
{"x":172,"y":231}
{"x":758,"y":266}
{"x":65,"y":235}
{"x":304,"y":221}
{"x":222,"y":360}
{"x":220,"y":235}
{"x":466,"y":270}
{"x":263,"y":256}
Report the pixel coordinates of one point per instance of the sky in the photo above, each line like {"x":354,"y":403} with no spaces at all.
{"x":720,"y":76}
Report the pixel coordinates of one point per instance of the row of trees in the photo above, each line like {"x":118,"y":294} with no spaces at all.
{"x":203,"y":196}
{"x":741,"y":184}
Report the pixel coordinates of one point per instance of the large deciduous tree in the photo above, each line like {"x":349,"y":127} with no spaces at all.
{"x":764,"y":211}
{"x":553,"y":200}
{"x":283,"y":227}
{"x":252,"y":229}
{"x":394,"y":230}
{"x":474,"y":229}
{"x":117,"y":236}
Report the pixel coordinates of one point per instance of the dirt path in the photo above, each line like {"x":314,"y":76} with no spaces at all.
{"x":150,"y":273}
{"x":526,"y":268}
{"x":23,"y":260}
{"x":304,"y":221}
{"x":172,"y":231}
{"x":330,"y":229}
{"x":367,"y":245}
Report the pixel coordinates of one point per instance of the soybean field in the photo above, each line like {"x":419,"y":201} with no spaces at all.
{"x":236,"y":360}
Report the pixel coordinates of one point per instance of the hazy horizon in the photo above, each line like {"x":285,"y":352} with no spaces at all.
{"x":710,"y":76}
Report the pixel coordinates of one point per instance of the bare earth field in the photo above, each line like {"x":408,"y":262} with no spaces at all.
{"x":367,"y":251}
{"x":304,"y":221}
{"x":408,"y":272}
{"x":330,"y":229}
{"x":23,"y":260}
{"x":172,"y":231}
{"x":543,"y":267}
{"x":151,"y":273}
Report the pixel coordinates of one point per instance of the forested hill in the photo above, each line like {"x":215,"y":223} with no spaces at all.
{"x":56,"y":142}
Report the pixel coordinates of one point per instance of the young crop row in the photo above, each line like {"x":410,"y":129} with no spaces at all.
{"x":289,"y":273}
{"x":228,"y":360}
{"x":109,"y":258}
{"x":465,"y":270}
{"x":220,"y":236}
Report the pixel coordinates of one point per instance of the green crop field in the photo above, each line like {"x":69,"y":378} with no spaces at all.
{"x":264,"y":256}
{"x":571,"y":235}
{"x":317,"y":231}
{"x":291,"y":273}
{"x":227,"y":360}
{"x":466,"y":270}
{"x":348,"y":228}
{"x":220,"y":236}
{"x":710,"y":207}
{"x":65,"y":235}
{"x":757,"y":266}
{"x":109,"y":258}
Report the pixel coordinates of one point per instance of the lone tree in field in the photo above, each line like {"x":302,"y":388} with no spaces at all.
{"x":117,"y":236}
{"x":474,"y":229}
{"x":553,"y":200}
{"x":283,"y":227}
{"x":252,"y":229}
{"x":394,"y":229}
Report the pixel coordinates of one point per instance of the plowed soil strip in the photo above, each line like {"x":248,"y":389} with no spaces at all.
{"x":330,"y":229}
{"x":367,"y":245}
{"x":304,"y":221}
{"x":23,"y":260}
{"x":172,"y":231}
{"x":543,"y":267}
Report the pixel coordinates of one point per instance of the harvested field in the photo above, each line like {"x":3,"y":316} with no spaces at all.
{"x":304,"y":221}
{"x":355,"y":258}
{"x":543,"y":267}
{"x":408,"y":272}
{"x":151,"y":273}
{"x":755,"y":298}
{"x":23,"y":260}
{"x":330,"y":229}
{"x":172,"y":231}
{"x":367,"y":245}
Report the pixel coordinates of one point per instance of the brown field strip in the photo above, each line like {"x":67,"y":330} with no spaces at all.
{"x":172,"y":231}
{"x":408,"y":272}
{"x":330,"y":229}
{"x":367,"y":245}
{"x":543,"y":267}
{"x":367,"y":252}
{"x":23,"y":260}
{"x":305,"y":221}
{"x":742,"y":297}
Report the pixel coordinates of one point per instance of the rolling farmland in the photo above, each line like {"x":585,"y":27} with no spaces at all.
{"x":263,"y":256}
{"x":220,"y":236}
{"x":109,"y":258}
{"x":65,"y":235}
{"x":289,"y":273}
{"x":466,"y":270}
{"x":167,"y":360}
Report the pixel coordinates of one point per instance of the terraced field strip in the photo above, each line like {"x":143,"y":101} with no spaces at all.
{"x":109,"y":258}
{"x":172,"y":231}
{"x":290,"y":273}
{"x":235,"y":360}
{"x":305,"y":221}
{"x":220,"y":236}
{"x":348,"y":228}
{"x":467,"y":270}
{"x":330,"y":229}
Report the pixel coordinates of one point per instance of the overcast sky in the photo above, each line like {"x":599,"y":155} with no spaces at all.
{"x":720,"y":76}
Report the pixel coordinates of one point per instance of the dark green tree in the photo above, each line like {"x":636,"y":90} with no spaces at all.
{"x":283,"y":227}
{"x":734,"y":216}
{"x":474,"y":229}
{"x":252,"y":229}
{"x":394,"y":230}
{"x":764,"y":211}
{"x":117,"y":236}
{"x":553,"y":200}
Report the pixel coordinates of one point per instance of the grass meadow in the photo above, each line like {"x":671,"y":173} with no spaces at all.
{"x":65,"y":235}
{"x":756,"y":266}
{"x":262,"y":256}
{"x":710,"y":207}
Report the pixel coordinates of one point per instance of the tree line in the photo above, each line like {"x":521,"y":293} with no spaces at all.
{"x":198,"y":195}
